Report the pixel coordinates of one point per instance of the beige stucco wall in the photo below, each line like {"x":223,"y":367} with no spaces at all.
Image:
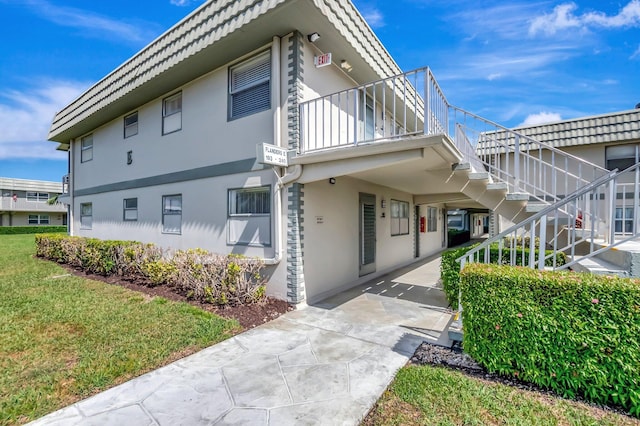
{"x":206,"y":137}
{"x":204,"y":218}
{"x":22,"y":218}
{"x":331,"y":236}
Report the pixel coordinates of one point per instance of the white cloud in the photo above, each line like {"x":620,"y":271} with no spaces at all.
{"x":507,"y":20}
{"x":540,"y":118}
{"x":91,"y":23}
{"x":374,"y":18}
{"x":564,"y":17}
{"x":508,"y":62}
{"x":180,"y":2}
{"x":635,"y":54}
{"x":25,"y":118}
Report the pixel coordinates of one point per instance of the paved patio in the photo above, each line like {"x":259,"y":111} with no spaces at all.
{"x":325,"y":364}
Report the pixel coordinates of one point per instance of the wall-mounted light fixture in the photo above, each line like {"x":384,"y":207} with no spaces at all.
{"x":313,"y":37}
{"x":383,"y":203}
{"x":332,"y":181}
{"x":345,"y":66}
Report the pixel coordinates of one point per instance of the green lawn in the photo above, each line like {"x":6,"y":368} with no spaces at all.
{"x":63,"y":338}
{"x":426,"y":395}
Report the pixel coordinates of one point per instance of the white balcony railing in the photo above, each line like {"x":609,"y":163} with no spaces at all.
{"x":65,"y":184}
{"x":11,"y":204}
{"x":386,"y":109}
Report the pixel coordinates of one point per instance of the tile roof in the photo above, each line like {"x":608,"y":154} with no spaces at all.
{"x":204,"y":27}
{"x":613,"y":127}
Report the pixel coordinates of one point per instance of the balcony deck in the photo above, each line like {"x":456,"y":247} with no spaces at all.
{"x":8,"y":204}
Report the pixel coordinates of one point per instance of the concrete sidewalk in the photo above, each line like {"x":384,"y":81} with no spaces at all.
{"x":325,"y":364}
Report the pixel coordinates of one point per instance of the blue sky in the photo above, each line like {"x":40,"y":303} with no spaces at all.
{"x":511,"y":62}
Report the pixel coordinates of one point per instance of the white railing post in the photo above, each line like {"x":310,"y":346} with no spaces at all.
{"x":356,"y":116}
{"x":543,"y":242}
{"x":427,"y":112}
{"x":516,"y":162}
{"x":610,"y":220}
{"x":636,"y":200}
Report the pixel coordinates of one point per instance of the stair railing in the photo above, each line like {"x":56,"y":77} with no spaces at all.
{"x":525,"y":164}
{"x":401,"y":106}
{"x":587,"y":222}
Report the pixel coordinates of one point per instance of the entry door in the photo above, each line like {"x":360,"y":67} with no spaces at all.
{"x":367,"y":234}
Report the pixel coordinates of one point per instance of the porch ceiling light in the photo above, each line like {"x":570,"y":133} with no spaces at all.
{"x":345,"y":66}
{"x":332,"y":181}
{"x":313,"y":37}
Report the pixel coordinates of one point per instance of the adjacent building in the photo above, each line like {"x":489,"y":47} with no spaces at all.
{"x":26,"y":202}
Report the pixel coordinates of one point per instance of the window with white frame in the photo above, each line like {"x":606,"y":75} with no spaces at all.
{"x":38,"y":197}
{"x":399,"y":217}
{"x":621,"y":156}
{"x":131,"y":125}
{"x":624,"y":220}
{"x":38,"y":219}
{"x":86,"y":149}
{"x":250,"y":216}
{"x":86,"y":215}
{"x":250,"y":86}
{"x":432,"y":219}
{"x":130,"y":209}
{"x":172,"y":214}
{"x":172,"y":113}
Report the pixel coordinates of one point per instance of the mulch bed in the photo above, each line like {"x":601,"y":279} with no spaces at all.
{"x":455,"y":359}
{"x":248,"y":316}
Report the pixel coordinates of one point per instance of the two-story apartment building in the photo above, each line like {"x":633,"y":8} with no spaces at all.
{"x":25,"y":202}
{"x":166,"y":148}
{"x":163,"y":149}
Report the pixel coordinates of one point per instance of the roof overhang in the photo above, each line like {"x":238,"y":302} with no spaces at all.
{"x":213,"y":35}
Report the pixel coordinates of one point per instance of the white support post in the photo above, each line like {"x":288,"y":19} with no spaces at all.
{"x":543,"y":242}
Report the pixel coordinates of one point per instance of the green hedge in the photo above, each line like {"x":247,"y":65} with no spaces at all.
{"x":198,"y":274}
{"x":578,"y":334}
{"x":450,"y":268}
{"x":13,"y":230}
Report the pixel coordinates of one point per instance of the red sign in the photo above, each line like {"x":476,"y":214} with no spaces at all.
{"x":322,"y":60}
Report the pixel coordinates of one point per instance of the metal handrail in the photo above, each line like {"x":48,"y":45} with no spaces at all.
{"x":527,"y":165}
{"x":404,"y":105}
{"x":546,"y":146}
{"x":600,"y":197}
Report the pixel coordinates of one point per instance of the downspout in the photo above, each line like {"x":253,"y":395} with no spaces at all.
{"x":277,"y":141}
{"x":70,"y":188}
{"x":293,"y":172}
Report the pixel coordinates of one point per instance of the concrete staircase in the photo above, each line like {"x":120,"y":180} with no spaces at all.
{"x":622,"y":260}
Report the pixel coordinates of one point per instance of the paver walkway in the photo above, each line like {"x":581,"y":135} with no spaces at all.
{"x":325,"y":364}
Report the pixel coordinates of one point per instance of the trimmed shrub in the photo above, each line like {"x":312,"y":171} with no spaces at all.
{"x":577,"y":334}
{"x":232,"y":279}
{"x":450,"y":268}
{"x":13,"y":230}
{"x":201,"y":275}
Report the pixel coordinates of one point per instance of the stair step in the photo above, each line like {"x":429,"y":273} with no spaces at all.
{"x":599,"y":266}
{"x":517,"y":196}
{"x":535,"y":206}
{"x":461,"y":167}
{"x":479,"y":176}
{"x":455,"y":329}
{"x":497,"y":186}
